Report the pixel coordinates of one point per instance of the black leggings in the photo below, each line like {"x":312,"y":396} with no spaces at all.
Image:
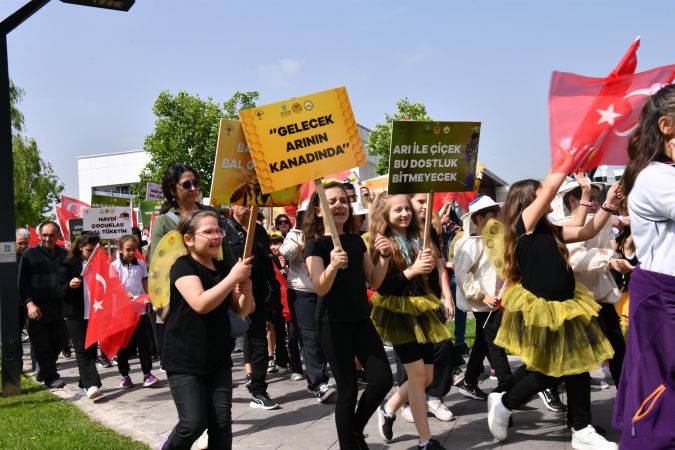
{"x":527,"y":383}
{"x":341,"y":343}
{"x":141,"y":339}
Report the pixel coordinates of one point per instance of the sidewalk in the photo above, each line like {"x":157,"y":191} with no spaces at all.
{"x":148,"y":415}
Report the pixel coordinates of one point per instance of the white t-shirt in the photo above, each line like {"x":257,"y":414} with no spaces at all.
{"x":132,"y":275}
{"x":651,"y":205}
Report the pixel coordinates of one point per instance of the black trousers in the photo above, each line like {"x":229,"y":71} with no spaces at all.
{"x":46,"y":336}
{"x":608,"y":320}
{"x":141,"y":341}
{"x":341,"y":343}
{"x":527,"y":383}
{"x":484,"y":347}
{"x":255,"y":350}
{"x":303,"y":315}
{"x":86,"y":358}
{"x":283,"y":354}
{"x":202,"y":401}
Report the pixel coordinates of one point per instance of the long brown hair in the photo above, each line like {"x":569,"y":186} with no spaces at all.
{"x":312,"y":224}
{"x":520,"y":196}
{"x":647,"y":142}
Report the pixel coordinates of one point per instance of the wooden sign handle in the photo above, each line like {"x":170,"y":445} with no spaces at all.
{"x":250,"y":232}
{"x":427,"y":220}
{"x":328,"y":220}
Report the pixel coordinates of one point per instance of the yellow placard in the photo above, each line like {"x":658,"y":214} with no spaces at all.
{"x":234,"y":179}
{"x":377,"y":184}
{"x":303,"y":138}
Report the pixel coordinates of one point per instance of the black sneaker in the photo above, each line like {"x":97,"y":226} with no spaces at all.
{"x":103,"y":363}
{"x":385,"y":424}
{"x":552,"y":401}
{"x":432,"y":444}
{"x":361,"y":377}
{"x":472,"y":391}
{"x":325,"y":392}
{"x":359,"y":442}
{"x":272,"y":366}
{"x":247,"y":380}
{"x":457,"y":376}
{"x":263,"y":401}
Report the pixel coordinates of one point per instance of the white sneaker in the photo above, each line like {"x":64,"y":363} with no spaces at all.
{"x":599,"y":382}
{"x":203,"y":441}
{"x":498,"y":416}
{"x":297,"y":376}
{"x":436,"y":407}
{"x":406,"y":413}
{"x":93,"y":392}
{"x":589,"y":439}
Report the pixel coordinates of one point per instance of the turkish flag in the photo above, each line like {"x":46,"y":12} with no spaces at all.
{"x":73,"y":206}
{"x":113,"y":316}
{"x":63,"y":215}
{"x":461,"y":198}
{"x":591,"y":119}
{"x":34,"y":238}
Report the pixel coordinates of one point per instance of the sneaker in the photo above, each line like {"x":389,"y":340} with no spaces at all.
{"x":359,"y":442}
{"x":436,"y":407}
{"x":284,"y":369}
{"x":552,"y":401}
{"x":162,"y":370}
{"x":93,"y":393}
{"x":66,"y":353}
{"x":406,"y":413}
{"x":103,"y":363}
{"x":247,"y":380}
{"x":385,"y":424}
{"x":113,"y":362}
{"x":432,"y":444}
{"x":272,"y":366}
{"x":24,"y":337}
{"x":472,"y":391}
{"x":150,"y":380}
{"x":297,"y":376}
{"x":457,"y":376}
{"x":263,"y":401}
{"x":493,"y":375}
{"x":325,"y":392}
{"x":498,"y":416}
{"x":203,"y":441}
{"x":588,"y":439}
{"x":599,"y":383}
{"x":56,"y":383}
{"x":126,"y":382}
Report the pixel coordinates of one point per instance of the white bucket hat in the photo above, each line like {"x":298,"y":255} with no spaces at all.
{"x":482,"y":202}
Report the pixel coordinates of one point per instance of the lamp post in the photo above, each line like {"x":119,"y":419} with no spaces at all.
{"x":9,"y":326}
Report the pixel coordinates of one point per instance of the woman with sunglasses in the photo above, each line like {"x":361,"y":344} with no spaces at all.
{"x":182,"y":196}
{"x":283,"y":224}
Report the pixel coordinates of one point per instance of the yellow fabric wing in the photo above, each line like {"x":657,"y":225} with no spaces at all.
{"x":169,"y":249}
{"x":493,"y":242}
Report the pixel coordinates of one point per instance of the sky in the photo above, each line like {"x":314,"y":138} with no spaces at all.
{"x":92,"y":75}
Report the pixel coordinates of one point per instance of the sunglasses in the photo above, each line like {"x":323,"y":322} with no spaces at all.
{"x":187,"y":184}
{"x":282,"y":222}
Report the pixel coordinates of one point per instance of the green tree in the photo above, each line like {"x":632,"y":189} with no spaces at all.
{"x":36,"y":186}
{"x":186,"y":131}
{"x":379,"y":140}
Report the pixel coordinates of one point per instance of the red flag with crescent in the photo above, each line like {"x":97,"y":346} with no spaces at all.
{"x":63,"y":216}
{"x":591,"y":119}
{"x":73,"y":206}
{"x":113,"y":316}
{"x":34,"y":238}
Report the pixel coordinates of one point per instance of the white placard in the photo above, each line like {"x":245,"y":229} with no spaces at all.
{"x":110,"y":222}
{"x":7,"y":252}
{"x":153,"y":191}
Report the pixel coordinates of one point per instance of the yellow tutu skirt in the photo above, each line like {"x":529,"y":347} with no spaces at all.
{"x":406,"y":319}
{"x":554,"y":338}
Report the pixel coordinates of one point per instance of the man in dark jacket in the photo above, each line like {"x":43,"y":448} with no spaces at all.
{"x":266,"y":295}
{"x":38,"y":282}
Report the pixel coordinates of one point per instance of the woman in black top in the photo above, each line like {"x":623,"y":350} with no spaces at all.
{"x":549,"y":320}
{"x":75,"y":295}
{"x":197,"y":346}
{"x":339,"y":277}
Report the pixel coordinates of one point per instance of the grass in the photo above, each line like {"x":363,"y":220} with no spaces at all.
{"x":38,"y":419}
{"x":470,"y":334}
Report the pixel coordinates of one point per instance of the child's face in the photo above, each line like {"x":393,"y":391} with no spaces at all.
{"x":87,"y":250}
{"x":129,"y":250}
{"x":207,"y":238}
{"x":338,"y":203}
{"x":275,"y":248}
{"x":400,"y":213}
{"x":419,"y":205}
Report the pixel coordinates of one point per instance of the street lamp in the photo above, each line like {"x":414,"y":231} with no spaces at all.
{"x":9,"y":326}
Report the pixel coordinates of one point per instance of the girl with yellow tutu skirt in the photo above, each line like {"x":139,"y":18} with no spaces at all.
{"x":404,"y":311}
{"x":549,"y":320}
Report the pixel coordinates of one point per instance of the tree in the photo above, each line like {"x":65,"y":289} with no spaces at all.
{"x":186,"y":131}
{"x":379,"y":140}
{"x":36,"y":186}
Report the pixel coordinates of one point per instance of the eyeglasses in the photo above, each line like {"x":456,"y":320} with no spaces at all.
{"x":212,"y":234}
{"x":283,"y":222}
{"x":187,"y":184}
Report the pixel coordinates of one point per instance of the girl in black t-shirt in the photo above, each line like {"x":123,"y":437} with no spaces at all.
{"x":549,"y":320}
{"x":404,"y":311}
{"x":197,"y":346}
{"x":339,"y":276}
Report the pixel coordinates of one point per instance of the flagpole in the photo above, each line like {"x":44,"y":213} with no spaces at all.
{"x":93,"y":253}
{"x":499,"y":297}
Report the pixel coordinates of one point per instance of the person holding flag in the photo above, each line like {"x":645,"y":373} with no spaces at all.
{"x":74,"y":292}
